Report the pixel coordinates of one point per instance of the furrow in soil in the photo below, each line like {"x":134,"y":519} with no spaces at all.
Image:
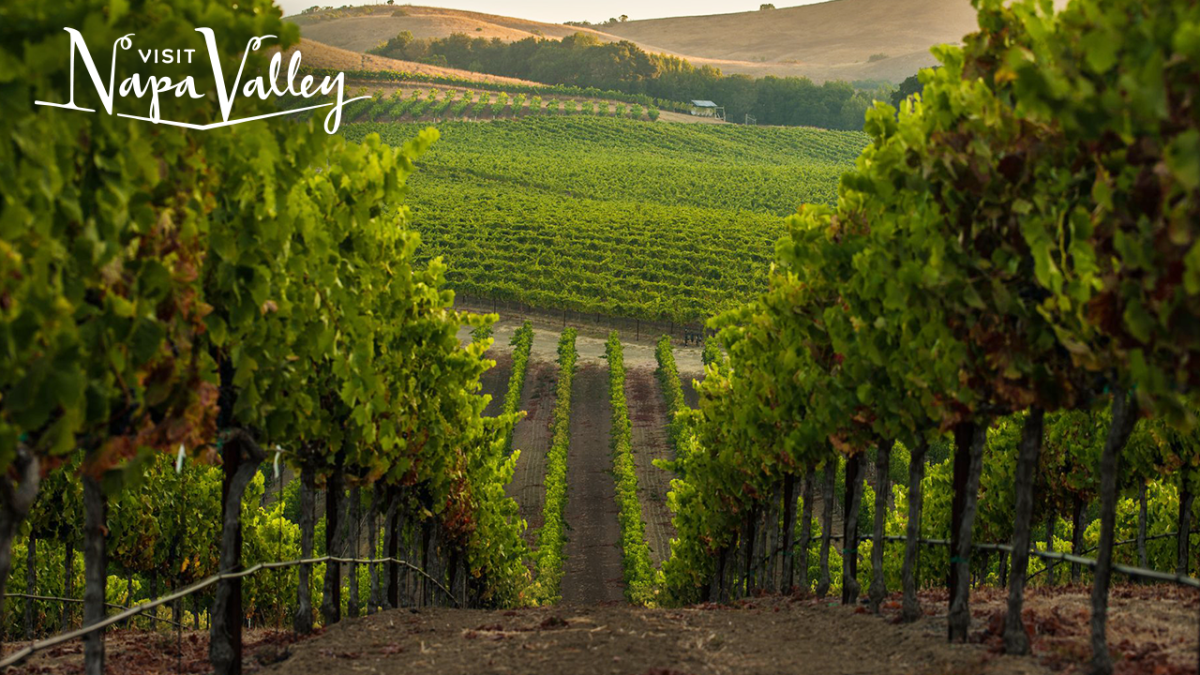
{"x":532,"y":437}
{"x":592,"y":569}
{"x":648,"y":417}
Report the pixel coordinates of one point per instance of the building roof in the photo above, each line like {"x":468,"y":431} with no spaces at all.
{"x":705,"y":104}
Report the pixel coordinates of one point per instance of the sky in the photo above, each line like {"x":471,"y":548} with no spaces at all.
{"x":558,"y":11}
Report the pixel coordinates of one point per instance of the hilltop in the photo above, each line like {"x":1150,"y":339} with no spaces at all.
{"x":842,"y":39}
{"x":362,"y":28}
{"x":320,"y":55}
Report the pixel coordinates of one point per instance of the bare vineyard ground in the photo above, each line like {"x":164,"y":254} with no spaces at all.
{"x":1152,"y":628}
{"x":532,"y":437}
{"x":592,"y":569}
{"x":590,"y":346}
{"x":648,"y":417}
{"x":768,"y":636}
{"x":687,"y":118}
{"x":139,"y":652}
{"x":639,"y":351}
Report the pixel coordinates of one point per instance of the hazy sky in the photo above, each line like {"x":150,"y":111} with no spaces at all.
{"x":557,"y":11}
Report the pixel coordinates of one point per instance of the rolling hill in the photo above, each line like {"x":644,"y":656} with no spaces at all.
{"x":361,"y":28}
{"x":321,"y":55}
{"x":842,"y":39}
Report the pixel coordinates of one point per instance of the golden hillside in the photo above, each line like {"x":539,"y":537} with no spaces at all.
{"x":842,"y":39}
{"x":319,"y":55}
{"x":361,"y":28}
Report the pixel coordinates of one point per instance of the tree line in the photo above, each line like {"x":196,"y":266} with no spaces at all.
{"x":584,"y":60}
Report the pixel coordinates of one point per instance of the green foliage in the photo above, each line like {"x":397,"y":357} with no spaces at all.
{"x":911,"y":85}
{"x":712,"y":351}
{"x":291,"y":501}
{"x":166,"y":288}
{"x":690,"y":565}
{"x":522,"y":346}
{"x":51,"y":575}
{"x":1158,"y":448}
{"x":102,"y":229}
{"x":481,"y":333}
{"x":176,"y":546}
{"x":1016,"y":237}
{"x":548,"y":557}
{"x":58,"y":511}
{"x":495,"y":548}
{"x":459,"y":108}
{"x":635,"y":552}
{"x":1070,"y":454}
{"x":668,"y":379}
{"x":899,"y":462}
{"x":1162,"y":517}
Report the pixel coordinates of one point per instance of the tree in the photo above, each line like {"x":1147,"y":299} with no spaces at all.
{"x":911,"y":85}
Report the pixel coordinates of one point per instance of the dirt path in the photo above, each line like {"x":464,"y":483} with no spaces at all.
{"x":1151,"y":627}
{"x":685,"y":118}
{"x":156,"y":653}
{"x":532,"y":436}
{"x":592,"y":569}
{"x":648,"y":416}
{"x":768,"y":636}
{"x":1152,"y":630}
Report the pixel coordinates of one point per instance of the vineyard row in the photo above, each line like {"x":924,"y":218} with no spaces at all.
{"x":449,"y":104}
{"x":548,"y":558}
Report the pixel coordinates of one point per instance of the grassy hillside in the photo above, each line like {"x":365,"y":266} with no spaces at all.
{"x":320,"y":55}
{"x":361,"y":28}
{"x":602,"y":215}
{"x":842,"y":39}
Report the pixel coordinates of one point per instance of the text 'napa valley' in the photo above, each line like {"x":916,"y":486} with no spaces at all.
{"x":262,"y":87}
